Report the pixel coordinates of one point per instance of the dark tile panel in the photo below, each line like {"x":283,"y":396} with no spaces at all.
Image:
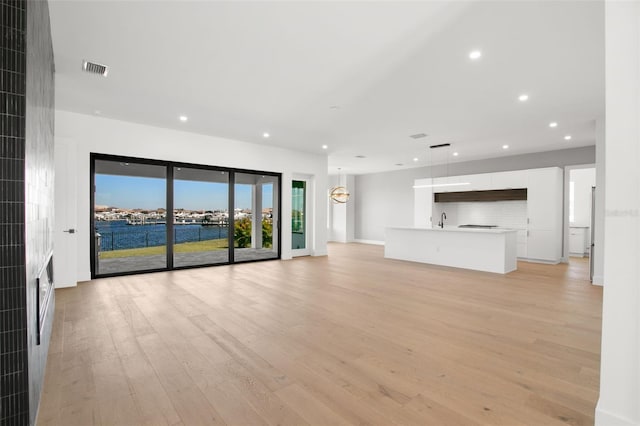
{"x":11,"y":104}
{"x":11,"y":147}
{"x":11,"y":212}
{"x":14,"y":379}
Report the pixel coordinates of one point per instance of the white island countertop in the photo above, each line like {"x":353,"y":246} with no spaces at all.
{"x":456,"y":229}
{"x":490,"y":250}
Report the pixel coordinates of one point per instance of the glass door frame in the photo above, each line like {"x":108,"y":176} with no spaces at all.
{"x":308,"y":211}
{"x":170,"y":165}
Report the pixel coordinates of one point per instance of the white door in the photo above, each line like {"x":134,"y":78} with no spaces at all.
{"x":65,"y":228}
{"x":301,"y":216}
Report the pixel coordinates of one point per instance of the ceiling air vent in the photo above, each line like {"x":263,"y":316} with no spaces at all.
{"x":418,"y":136}
{"x":93,"y":68}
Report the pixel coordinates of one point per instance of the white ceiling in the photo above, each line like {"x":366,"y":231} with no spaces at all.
{"x":239,"y":69}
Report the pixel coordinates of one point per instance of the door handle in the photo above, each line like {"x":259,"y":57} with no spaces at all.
{"x":70,"y":231}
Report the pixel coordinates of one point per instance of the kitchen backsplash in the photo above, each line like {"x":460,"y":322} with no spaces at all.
{"x":505,"y":214}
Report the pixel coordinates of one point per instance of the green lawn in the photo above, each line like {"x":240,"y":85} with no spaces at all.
{"x":209,"y":245}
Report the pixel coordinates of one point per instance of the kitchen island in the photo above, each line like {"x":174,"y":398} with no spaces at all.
{"x":490,"y":250}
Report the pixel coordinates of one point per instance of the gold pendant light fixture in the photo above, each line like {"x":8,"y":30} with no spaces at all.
{"x":339,"y":194}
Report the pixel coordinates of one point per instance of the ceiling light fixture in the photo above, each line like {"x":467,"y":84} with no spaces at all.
{"x":455,"y":154}
{"x":567,"y":138}
{"x":436,"y":185}
{"x":324,"y":147}
{"x":523,"y":98}
{"x":476,"y":54}
{"x":415,"y":159}
{"x":339,"y":194}
{"x":553,"y":124}
{"x":505,"y":146}
{"x":266,"y":135}
{"x":360,"y":156}
{"x":183,"y":118}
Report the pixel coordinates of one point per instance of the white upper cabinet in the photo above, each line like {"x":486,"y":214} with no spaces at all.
{"x":509,"y":180}
{"x":544,"y":210}
{"x":481,"y":182}
{"x":544,"y":198}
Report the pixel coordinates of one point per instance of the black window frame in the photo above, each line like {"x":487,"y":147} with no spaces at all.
{"x":170,"y":166}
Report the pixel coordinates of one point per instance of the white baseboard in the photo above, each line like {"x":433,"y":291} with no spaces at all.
{"x":548,"y":262}
{"x":598,"y":280}
{"x":61,"y":285}
{"x":606,"y":418}
{"x":376,"y":242}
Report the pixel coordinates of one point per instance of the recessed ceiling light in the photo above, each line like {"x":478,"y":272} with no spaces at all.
{"x":360,"y":156}
{"x":399,"y":164}
{"x":265,"y":135}
{"x":455,"y":154}
{"x":567,"y":138}
{"x":334,"y":107}
{"x":324,"y":147}
{"x":553,"y":124}
{"x":523,"y":98}
{"x":476,"y":54}
{"x":416,"y":159}
{"x":183,"y":118}
{"x":505,"y":146}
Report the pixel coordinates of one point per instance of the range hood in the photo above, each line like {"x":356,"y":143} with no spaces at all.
{"x":518,"y":194}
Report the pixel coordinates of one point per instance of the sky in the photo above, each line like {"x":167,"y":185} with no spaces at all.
{"x":150,"y":193}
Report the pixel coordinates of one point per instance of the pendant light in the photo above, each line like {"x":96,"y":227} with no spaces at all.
{"x":339,"y":194}
{"x":439,"y":185}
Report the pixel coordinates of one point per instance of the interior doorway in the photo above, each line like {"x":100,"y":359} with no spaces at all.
{"x":579,"y":230}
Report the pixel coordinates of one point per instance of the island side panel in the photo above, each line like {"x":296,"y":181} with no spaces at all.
{"x":482,"y":251}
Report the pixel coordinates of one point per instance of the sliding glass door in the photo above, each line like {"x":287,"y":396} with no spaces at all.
{"x":200,"y":217}
{"x":255,"y":217}
{"x":150,"y":215}
{"x":129,"y":217}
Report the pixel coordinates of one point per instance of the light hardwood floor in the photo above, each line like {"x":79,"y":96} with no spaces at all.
{"x":350,"y":338}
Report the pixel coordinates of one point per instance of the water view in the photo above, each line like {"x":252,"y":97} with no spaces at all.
{"x":119,"y":234}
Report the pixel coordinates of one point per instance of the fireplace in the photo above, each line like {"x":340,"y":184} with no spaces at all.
{"x":44,"y":288}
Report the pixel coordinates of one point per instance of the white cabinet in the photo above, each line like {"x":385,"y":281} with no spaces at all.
{"x":544,"y":214}
{"x":578,"y":241}
{"x":480,"y":182}
{"x":521,"y":243}
{"x":448,"y":184}
{"x":422,"y":203}
{"x":509,"y":180}
{"x":542,"y":240}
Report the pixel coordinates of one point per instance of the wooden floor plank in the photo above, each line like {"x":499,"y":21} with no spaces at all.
{"x":350,"y":338}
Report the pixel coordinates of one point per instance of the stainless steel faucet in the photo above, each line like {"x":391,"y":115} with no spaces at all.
{"x":443,"y":216}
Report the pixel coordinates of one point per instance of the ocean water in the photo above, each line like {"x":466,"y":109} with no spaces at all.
{"x":117,"y":235}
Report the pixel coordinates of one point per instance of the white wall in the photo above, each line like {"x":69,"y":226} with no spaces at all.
{"x":342,"y":216}
{"x":583,"y":180}
{"x":619,"y":402}
{"x":599,"y":231}
{"x":87,"y":134}
{"x":386,"y":199}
